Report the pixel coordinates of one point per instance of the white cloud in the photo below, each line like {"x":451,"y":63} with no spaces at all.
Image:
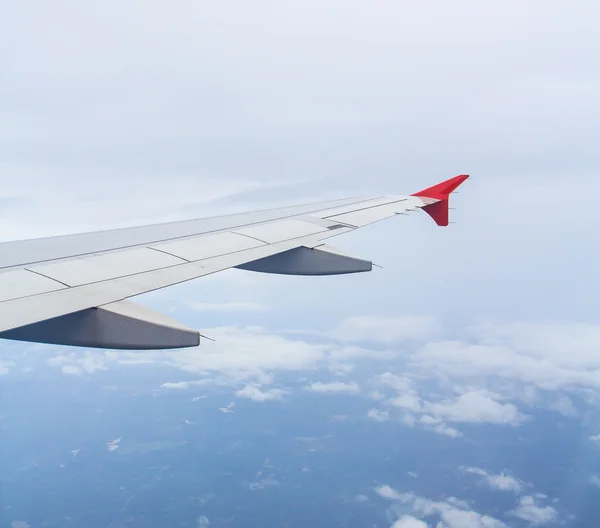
{"x":408,"y":419}
{"x":453,"y":513}
{"x":5,"y":367}
{"x":564,"y":405}
{"x":228,"y":409}
{"x":595,"y":480}
{"x":387,"y":492}
{"x":530,"y":511}
{"x":377,"y":415}
{"x":333,"y":387}
{"x":255,"y":393}
{"x":183,"y":385}
{"x":475,"y":407}
{"x":398,"y":383}
{"x":385,"y":330}
{"x":249,"y":349}
{"x":595,"y":438}
{"x":341,"y":369}
{"x":225,"y":307}
{"x":446,"y":430}
{"x":410,"y":402}
{"x":114,"y":444}
{"x":82,"y":362}
{"x":238,"y":354}
{"x":354,"y":352}
{"x":71,"y":369}
{"x":534,"y":354}
{"x":500,"y":482}
{"x":408,"y":521}
{"x":202,"y":521}
{"x":471,"y":406}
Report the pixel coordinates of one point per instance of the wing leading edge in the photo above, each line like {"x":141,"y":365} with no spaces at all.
{"x":72,"y":290}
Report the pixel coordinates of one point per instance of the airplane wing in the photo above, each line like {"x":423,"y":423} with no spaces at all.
{"x":74,"y":290}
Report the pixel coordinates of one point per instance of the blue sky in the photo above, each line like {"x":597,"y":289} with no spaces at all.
{"x":114,"y":115}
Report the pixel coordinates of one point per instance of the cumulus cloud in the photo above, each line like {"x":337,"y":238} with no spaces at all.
{"x":408,"y":521}
{"x":529,"y":510}
{"x":470,"y":406}
{"x":550,"y":357}
{"x":255,"y":393}
{"x":396,"y":382}
{"x":452,"y":513}
{"x":387,"y":492}
{"x":238,"y":353}
{"x":410,"y":402}
{"x":333,"y":387}
{"x":84,"y":362}
{"x":475,"y":407}
{"x":248,"y":349}
{"x":385,"y":330}
{"x":500,"y":482}
{"x":446,"y":430}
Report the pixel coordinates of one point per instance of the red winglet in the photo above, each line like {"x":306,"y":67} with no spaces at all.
{"x":439,"y":210}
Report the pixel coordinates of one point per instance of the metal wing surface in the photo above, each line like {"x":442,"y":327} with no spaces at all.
{"x":74,"y":290}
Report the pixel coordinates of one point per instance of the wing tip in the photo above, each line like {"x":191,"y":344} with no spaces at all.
{"x":441,"y":192}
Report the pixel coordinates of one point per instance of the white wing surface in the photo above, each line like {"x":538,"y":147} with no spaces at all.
{"x":73,"y":290}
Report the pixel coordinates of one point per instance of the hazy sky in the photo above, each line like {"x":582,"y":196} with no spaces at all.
{"x":118,"y":113}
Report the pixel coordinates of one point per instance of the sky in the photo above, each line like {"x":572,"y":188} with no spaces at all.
{"x":116,"y":114}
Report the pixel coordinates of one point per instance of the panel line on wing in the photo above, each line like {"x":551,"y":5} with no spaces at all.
{"x":47,"y":277}
{"x":167,"y":253}
{"x":365,"y":208}
{"x":249,"y":236}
